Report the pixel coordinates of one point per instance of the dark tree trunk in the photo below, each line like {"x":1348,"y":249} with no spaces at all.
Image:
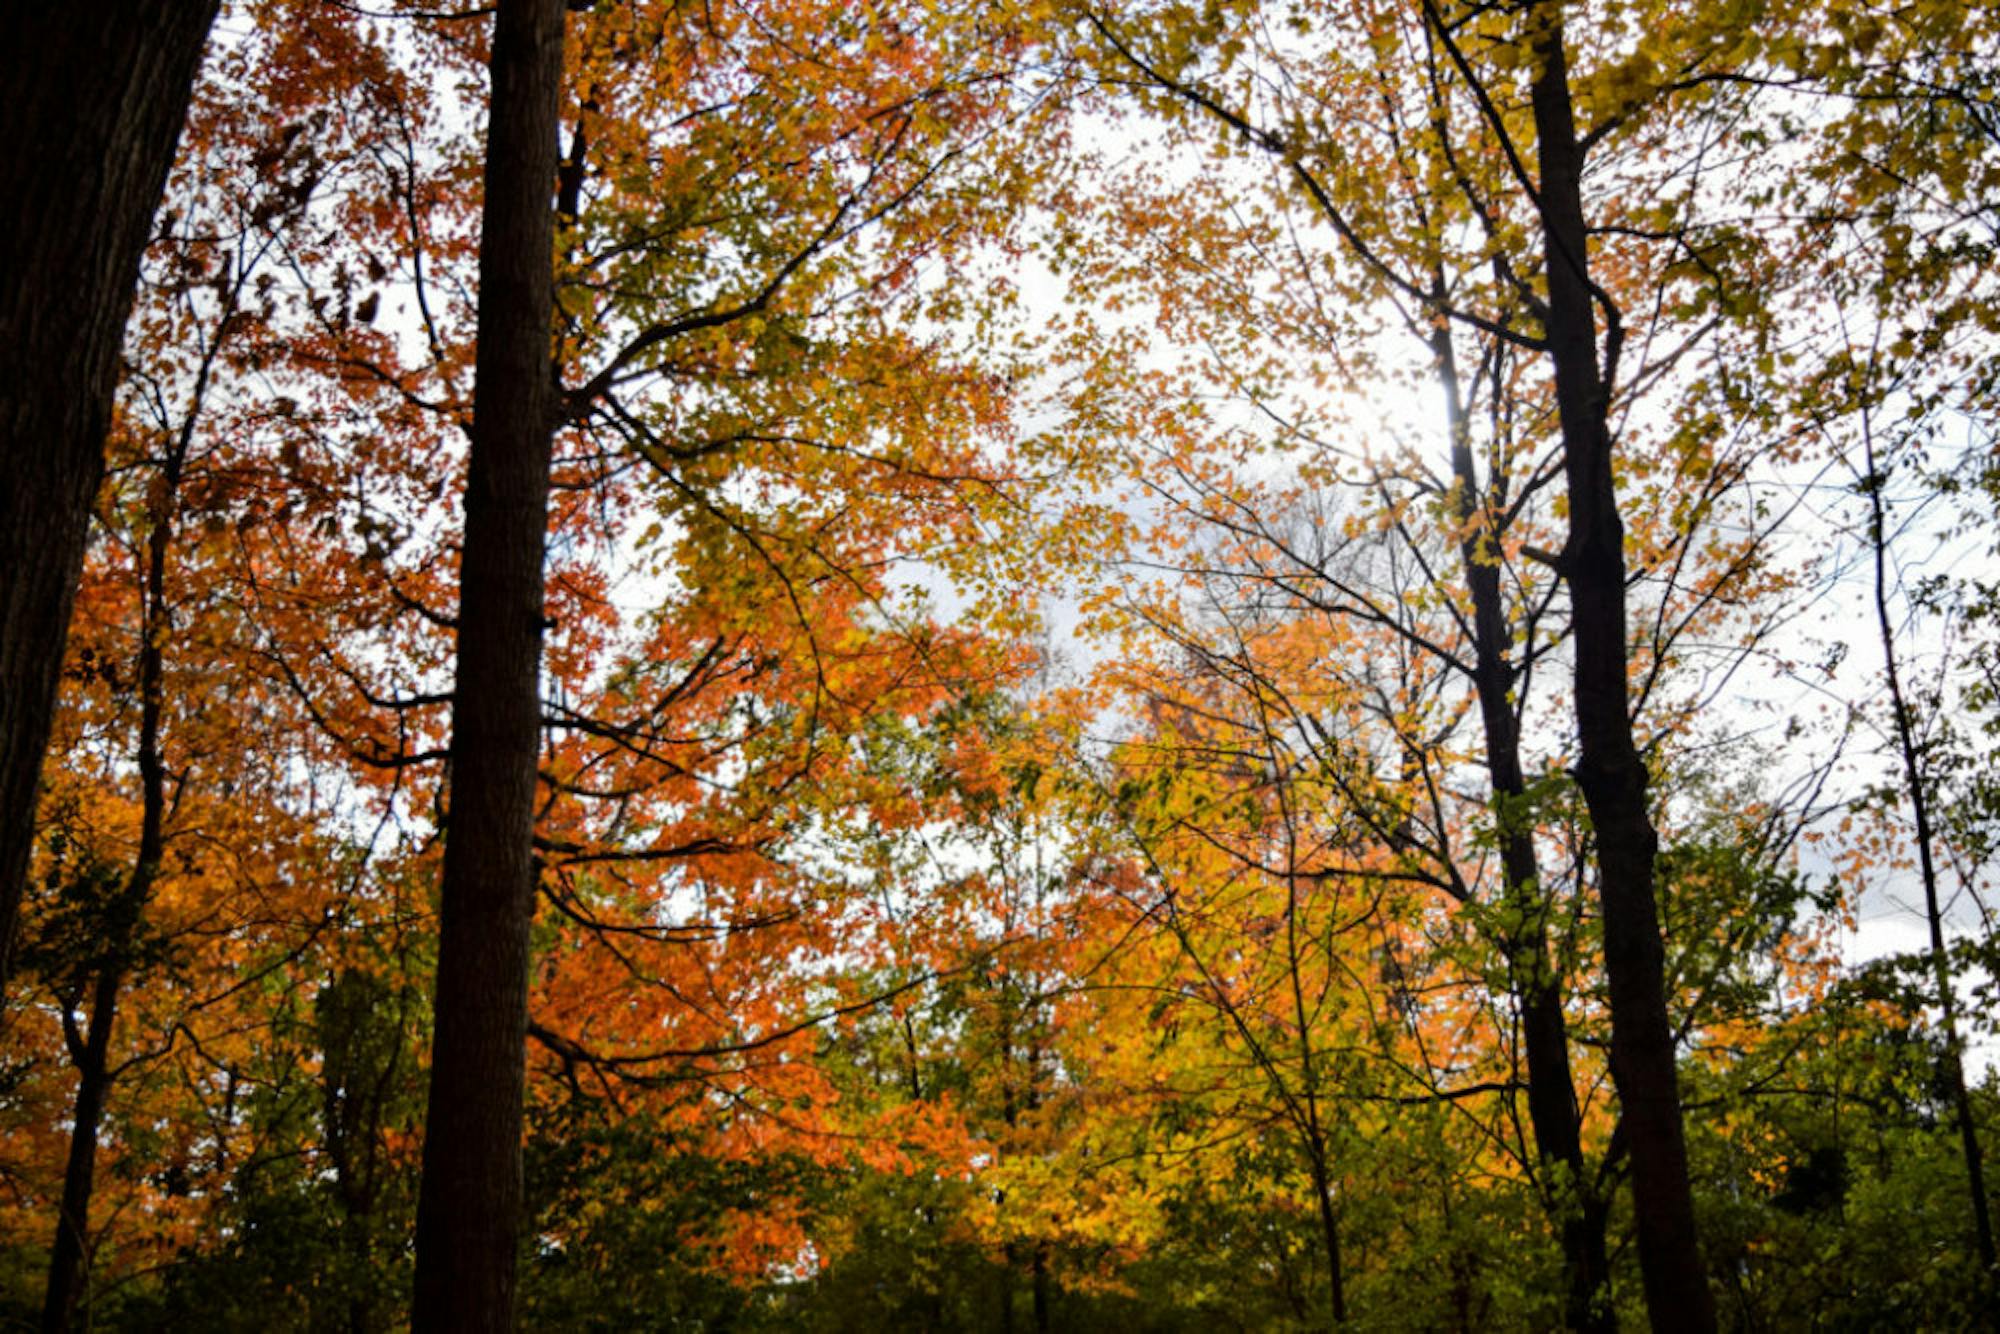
{"x":1041,"y":1288}
{"x":1917,"y":788}
{"x":1329,"y":1225}
{"x":66,"y":1262}
{"x":1552,"y":1108}
{"x":96,"y":91}
{"x":1311,"y":1128}
{"x":469,"y":1203}
{"x":360,"y":1022}
{"x":1559,"y":1142}
{"x":121,"y":925}
{"x":1610,"y":771}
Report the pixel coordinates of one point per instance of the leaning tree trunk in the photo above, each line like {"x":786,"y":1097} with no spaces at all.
{"x":469,"y":1203}
{"x":95,"y":94}
{"x":1610,"y":769}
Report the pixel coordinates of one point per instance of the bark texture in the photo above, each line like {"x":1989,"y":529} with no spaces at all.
{"x":96,"y":91}
{"x":469,"y":1203}
{"x":1610,"y":770}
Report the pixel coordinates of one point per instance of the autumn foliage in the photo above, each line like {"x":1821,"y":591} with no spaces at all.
{"x":1197,"y":665}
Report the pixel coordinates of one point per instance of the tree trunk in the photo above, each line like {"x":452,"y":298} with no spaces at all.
{"x":121,"y":924}
{"x":1041,"y":1287}
{"x":1552,"y":1091}
{"x":96,"y":91}
{"x":1552,"y":1108}
{"x":1917,"y":789}
{"x":66,"y":1261}
{"x":469,"y":1204}
{"x":1329,"y":1225}
{"x":1610,"y":771}
{"x":1310,"y":1126}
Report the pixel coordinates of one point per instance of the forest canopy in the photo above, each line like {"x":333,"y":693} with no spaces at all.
{"x":1038,"y":664}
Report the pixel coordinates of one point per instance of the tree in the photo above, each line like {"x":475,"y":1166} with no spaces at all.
{"x":96,"y":94}
{"x":1610,"y":770}
{"x":1919,"y":791}
{"x":1900,"y":186}
{"x":469,"y":1210}
{"x":1465,"y":191}
{"x":820,"y":162}
{"x":1878,"y":456}
{"x":797,"y":971}
{"x":1286,"y":894}
{"x":161,"y":801}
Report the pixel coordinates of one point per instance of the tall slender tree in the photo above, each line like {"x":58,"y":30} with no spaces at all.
{"x":469,"y":1205}
{"x":121,"y":919}
{"x":1478,"y":124}
{"x":1916,"y":759}
{"x":1610,"y":769}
